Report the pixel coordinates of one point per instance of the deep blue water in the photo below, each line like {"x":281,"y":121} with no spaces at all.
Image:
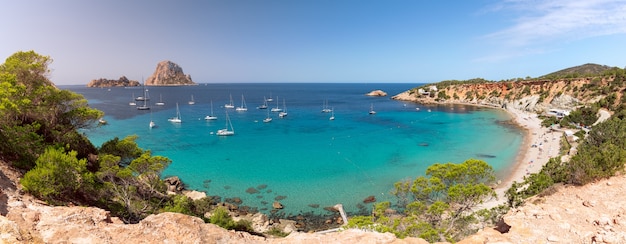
{"x":303,"y":157}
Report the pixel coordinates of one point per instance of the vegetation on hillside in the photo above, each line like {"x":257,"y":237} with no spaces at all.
{"x":585,"y":70}
{"x":34,"y":113}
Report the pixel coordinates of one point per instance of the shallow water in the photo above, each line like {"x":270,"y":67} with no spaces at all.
{"x":304,"y":158}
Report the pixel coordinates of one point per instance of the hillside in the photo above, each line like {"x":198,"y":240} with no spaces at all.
{"x":578,"y":71}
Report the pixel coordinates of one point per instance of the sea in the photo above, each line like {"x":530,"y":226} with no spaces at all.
{"x":305,"y":161}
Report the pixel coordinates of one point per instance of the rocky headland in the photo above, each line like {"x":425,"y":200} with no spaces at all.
{"x":168,"y":73}
{"x":527,"y":95}
{"x":122,"y":81}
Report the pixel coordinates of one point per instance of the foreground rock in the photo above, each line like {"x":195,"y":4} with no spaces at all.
{"x":122,"y":81}
{"x":168,"y":73}
{"x":593,"y":213}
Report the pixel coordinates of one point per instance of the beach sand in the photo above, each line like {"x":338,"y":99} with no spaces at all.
{"x":540,"y":144}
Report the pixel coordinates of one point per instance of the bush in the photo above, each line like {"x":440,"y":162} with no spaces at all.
{"x":57,"y":175}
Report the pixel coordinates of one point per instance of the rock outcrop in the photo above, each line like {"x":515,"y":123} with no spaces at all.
{"x":122,"y":81}
{"x":593,"y":213}
{"x":168,"y":73}
{"x":377,"y":93}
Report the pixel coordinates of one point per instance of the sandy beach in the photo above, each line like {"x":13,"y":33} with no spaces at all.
{"x":540,"y":144}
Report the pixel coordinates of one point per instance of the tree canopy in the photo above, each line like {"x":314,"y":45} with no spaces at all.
{"x":34,"y":113}
{"x":438,"y":206}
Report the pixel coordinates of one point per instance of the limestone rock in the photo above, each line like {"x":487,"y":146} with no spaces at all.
{"x":122,"y":81}
{"x":277,"y":205}
{"x":168,"y":73}
{"x":174,"y":184}
{"x":377,"y":93}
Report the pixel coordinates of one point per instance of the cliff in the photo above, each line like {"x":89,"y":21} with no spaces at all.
{"x":122,"y":81}
{"x":528,"y":95}
{"x":168,"y":73}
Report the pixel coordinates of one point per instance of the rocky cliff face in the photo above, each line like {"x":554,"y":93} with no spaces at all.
{"x":168,"y":73}
{"x":122,"y":81}
{"x":533,"y":96}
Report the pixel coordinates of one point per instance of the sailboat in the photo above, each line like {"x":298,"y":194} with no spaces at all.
{"x":268,"y":118}
{"x":191,"y":102}
{"x":225,"y":131}
{"x":230,"y":105}
{"x":160,"y":102}
{"x":132,"y":103}
{"x":211,"y":117}
{"x":332,"y":114}
{"x":284,"y":112}
{"x":270,"y":99}
{"x":325,"y":108}
{"x":145,"y":101}
{"x":264,"y":105}
{"x":152,"y":124}
{"x":372,"y":109}
{"x":145,"y":96}
{"x":277,"y":109}
{"x":243,"y":105}
{"x":177,"y":118}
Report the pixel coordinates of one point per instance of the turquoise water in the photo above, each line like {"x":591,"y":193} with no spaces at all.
{"x":304,"y":158}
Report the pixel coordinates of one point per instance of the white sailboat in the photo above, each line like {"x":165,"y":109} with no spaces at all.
{"x":270,"y":99}
{"x":268,"y":118}
{"x":332,"y":114}
{"x":231,"y":104}
{"x":264,"y":105}
{"x":132,"y":103}
{"x":284,"y":112}
{"x":211,"y":117}
{"x":176,"y":119}
{"x":243,"y":105}
{"x":152,"y":124}
{"x":145,"y":96}
{"x":191,"y":102}
{"x":145,"y":101}
{"x":372,"y":109}
{"x":160,"y":102}
{"x":277,"y":109}
{"x":325,"y":108}
{"x":226,"y":131}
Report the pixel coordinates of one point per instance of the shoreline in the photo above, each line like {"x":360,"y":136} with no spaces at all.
{"x":538,"y":146}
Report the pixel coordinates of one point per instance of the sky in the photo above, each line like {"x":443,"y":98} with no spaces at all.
{"x":392,"y":41}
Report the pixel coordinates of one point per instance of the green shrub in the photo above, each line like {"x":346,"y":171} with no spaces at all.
{"x":57,"y":175}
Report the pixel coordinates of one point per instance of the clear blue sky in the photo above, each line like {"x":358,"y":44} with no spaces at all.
{"x":316,"y":40}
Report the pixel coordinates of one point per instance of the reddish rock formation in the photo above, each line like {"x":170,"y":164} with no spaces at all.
{"x":168,"y":73}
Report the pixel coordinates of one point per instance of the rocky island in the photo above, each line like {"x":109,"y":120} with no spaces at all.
{"x":377,"y":93}
{"x":168,"y":73}
{"x":122,"y":81}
